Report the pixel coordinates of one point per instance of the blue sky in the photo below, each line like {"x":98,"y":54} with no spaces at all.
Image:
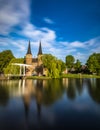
{"x":65,"y":27}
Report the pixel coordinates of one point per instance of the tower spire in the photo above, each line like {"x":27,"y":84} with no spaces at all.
{"x":40,"y":49}
{"x":29,"y":49}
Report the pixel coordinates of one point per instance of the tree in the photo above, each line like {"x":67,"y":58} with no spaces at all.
{"x":39,"y":69}
{"x":12,"y":69}
{"x":5,"y":58}
{"x":55,"y":67}
{"x":70,"y":61}
{"x":61,"y":66}
{"x":77,"y":66}
{"x":93,"y":63}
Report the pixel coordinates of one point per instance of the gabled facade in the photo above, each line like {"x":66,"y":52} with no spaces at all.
{"x":36,"y":63}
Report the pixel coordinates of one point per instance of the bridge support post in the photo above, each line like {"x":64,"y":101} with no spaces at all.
{"x":20,"y":70}
{"x":24,"y":70}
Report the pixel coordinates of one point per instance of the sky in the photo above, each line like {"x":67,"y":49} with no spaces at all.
{"x":64,"y":27}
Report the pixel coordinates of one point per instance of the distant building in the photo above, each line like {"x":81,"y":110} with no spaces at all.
{"x":36,"y":67}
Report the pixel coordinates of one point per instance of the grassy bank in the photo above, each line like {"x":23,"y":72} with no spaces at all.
{"x":66,"y":76}
{"x":37,"y":77}
{"x":63,"y":76}
{"x":79,"y":76}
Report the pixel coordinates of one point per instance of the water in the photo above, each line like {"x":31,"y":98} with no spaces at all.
{"x":50,"y":104}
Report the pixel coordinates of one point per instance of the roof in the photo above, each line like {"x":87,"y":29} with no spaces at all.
{"x":29,"y":49}
{"x":40,"y":49}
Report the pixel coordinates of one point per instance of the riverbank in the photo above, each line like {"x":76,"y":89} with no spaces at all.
{"x":63,"y":76}
{"x":38,"y":77}
{"x":79,"y":76}
{"x":2,"y":78}
{"x":66,"y":76}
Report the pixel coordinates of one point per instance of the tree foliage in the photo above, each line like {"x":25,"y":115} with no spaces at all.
{"x":12,"y":69}
{"x":5,"y":58}
{"x":55,"y":67}
{"x":77,"y":66}
{"x":70,"y":61}
{"x":93,"y":63}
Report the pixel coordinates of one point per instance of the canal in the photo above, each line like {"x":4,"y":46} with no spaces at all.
{"x":50,"y":104}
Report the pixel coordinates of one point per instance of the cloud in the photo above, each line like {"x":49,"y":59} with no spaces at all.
{"x":77,"y":44}
{"x":18,"y":47}
{"x":47,"y":20}
{"x":17,"y":13}
{"x":34,"y":33}
{"x":81,"y":56}
{"x":13,"y":13}
{"x":97,"y":50}
{"x":92,"y":42}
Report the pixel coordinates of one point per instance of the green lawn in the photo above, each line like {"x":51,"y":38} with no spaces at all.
{"x":79,"y":76}
{"x":63,"y":76}
{"x":37,"y":77}
{"x":66,"y":76}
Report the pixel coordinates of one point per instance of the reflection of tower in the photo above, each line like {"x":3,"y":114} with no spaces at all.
{"x":38,"y":110}
{"x":26,"y":101}
{"x":28,"y":90}
{"x":39,"y":96}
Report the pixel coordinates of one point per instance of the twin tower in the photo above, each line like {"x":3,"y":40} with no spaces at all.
{"x":34,"y":65}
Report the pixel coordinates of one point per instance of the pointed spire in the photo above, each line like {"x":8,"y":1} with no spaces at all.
{"x":29,"y":49}
{"x":40,"y":49}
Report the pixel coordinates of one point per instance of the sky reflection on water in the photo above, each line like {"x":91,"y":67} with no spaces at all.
{"x":57,"y":103}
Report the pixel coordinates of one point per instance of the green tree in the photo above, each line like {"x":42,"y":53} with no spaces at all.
{"x":5,"y":58}
{"x":55,"y":67}
{"x":93,"y":63}
{"x":12,"y":69}
{"x":77,"y":66}
{"x":70,"y":61}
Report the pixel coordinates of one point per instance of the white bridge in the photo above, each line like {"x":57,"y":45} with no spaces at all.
{"x":22,"y":69}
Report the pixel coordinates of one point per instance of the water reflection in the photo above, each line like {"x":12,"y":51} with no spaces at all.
{"x":74,"y":87}
{"x":94,"y":89}
{"x":4,"y":95}
{"x":46,"y":92}
{"x":39,"y":102}
{"x":43,"y":92}
{"x":32,"y":91}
